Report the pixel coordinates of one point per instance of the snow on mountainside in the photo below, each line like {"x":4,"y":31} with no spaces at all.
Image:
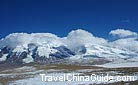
{"x":49,"y":48}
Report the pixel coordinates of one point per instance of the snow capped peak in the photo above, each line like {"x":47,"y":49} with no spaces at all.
{"x":19,"y":49}
{"x":129,"y":43}
{"x":45,"y":51}
{"x":78,"y":43}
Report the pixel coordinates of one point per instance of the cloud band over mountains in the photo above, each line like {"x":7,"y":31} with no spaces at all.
{"x":126,"y":39}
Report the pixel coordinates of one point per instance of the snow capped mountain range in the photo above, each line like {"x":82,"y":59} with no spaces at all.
{"x":78,"y":46}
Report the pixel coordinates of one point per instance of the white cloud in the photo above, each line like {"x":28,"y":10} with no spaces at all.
{"x":74,"y":39}
{"x":81,"y":37}
{"x":121,"y":33}
{"x":23,"y":39}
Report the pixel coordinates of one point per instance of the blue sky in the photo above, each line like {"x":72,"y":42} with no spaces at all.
{"x":61,"y":16}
